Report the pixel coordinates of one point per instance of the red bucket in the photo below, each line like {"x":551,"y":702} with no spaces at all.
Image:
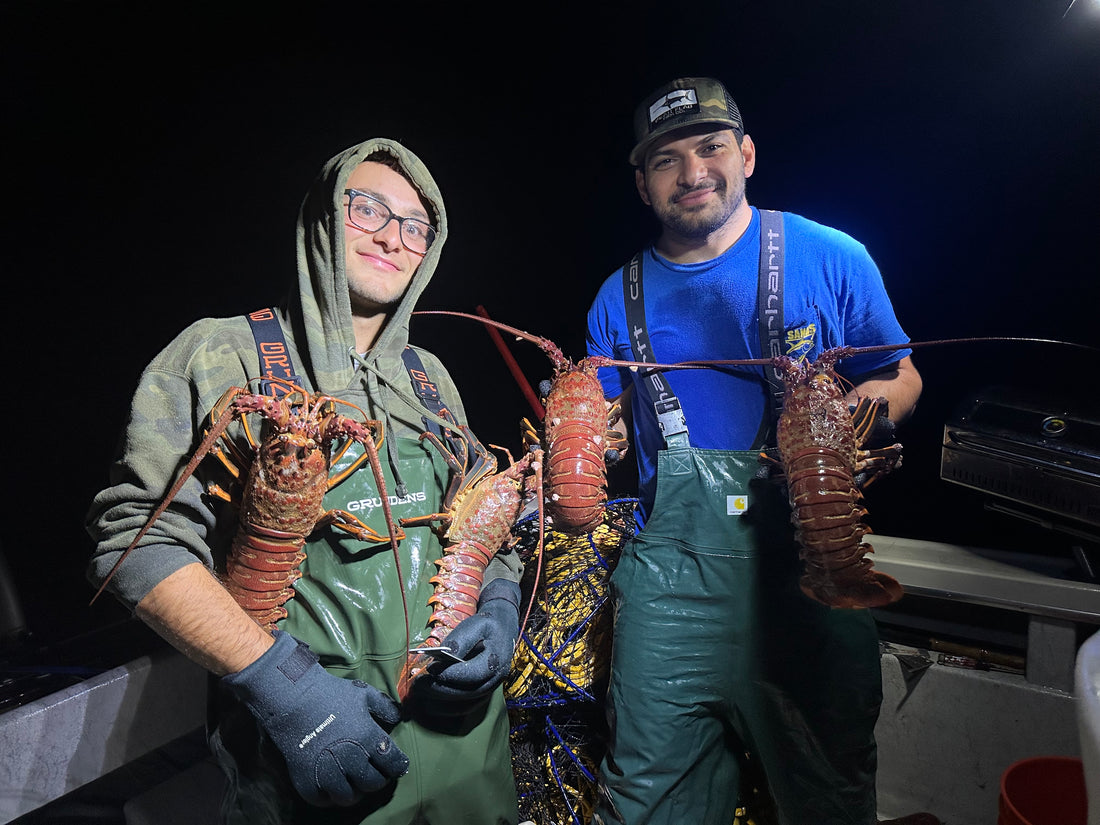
{"x":1043,"y":790}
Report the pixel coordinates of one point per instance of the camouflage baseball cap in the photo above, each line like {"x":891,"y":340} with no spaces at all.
{"x":682,"y":102}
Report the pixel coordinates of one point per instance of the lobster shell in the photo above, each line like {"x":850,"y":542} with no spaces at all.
{"x":819,"y":452}
{"x":575,"y":440}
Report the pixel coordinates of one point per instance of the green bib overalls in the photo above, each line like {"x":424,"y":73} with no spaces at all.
{"x":717,"y":652}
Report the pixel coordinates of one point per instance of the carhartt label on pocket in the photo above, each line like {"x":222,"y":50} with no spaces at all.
{"x":736,"y":505}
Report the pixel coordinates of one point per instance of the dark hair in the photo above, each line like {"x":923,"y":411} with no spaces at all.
{"x":390,"y":161}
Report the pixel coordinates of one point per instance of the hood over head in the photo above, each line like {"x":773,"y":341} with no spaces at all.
{"x":323,"y":297}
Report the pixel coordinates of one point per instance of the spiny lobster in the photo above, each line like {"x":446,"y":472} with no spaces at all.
{"x":480,"y":508}
{"x":280,"y":503}
{"x":577,"y":434}
{"x":821,"y":453}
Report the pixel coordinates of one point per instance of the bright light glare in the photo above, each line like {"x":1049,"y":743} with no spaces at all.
{"x":1081,"y":9}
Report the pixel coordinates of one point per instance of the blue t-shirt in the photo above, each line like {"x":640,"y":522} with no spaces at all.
{"x":833,"y":295}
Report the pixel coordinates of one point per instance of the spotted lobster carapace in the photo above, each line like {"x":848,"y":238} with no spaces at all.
{"x":285,"y":479}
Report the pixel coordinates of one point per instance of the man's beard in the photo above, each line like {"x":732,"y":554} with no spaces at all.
{"x":698,"y":223}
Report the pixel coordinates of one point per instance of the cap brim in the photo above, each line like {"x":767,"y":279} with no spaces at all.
{"x":637,"y":154}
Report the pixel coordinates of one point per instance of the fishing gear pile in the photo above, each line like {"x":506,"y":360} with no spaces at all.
{"x":555,"y":693}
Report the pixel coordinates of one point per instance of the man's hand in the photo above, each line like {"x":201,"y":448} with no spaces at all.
{"x":330,"y":730}
{"x":485,"y":642}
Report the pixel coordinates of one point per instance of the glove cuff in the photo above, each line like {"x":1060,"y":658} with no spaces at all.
{"x":502,"y":589}
{"x":272,"y":676}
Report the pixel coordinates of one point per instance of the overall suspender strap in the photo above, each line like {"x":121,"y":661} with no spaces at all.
{"x":670,"y":416}
{"x":425,"y":389}
{"x":769,"y":304}
{"x":274,"y":355}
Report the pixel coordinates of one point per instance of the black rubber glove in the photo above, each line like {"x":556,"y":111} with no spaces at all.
{"x":877,"y":428}
{"x":878,"y":437}
{"x":485,"y":641}
{"x":323,"y":725}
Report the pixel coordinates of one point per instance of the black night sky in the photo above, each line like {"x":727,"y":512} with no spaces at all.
{"x":156,"y":161}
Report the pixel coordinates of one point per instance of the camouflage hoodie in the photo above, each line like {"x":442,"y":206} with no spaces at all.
{"x":182,"y":384}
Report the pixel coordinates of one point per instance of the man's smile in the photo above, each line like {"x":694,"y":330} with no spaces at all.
{"x":378,"y":261}
{"x":693,"y":197}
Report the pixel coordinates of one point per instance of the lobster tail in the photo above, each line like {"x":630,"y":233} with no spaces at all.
{"x":577,"y":437}
{"x":261,"y":571}
{"x":416,"y":665}
{"x":866,"y":588}
{"x":576,"y":476}
{"x":827,"y":514}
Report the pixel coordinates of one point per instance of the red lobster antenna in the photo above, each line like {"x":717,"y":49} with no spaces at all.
{"x":513,"y":366}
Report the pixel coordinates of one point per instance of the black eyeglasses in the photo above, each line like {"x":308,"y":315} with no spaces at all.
{"x":370,"y":215}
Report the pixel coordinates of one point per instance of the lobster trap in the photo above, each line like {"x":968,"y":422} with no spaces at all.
{"x":555,"y":693}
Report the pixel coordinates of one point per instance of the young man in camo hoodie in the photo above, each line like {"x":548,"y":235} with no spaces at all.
{"x":306,"y":726}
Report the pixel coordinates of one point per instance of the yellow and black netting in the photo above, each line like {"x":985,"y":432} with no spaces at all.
{"x":556,"y":690}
